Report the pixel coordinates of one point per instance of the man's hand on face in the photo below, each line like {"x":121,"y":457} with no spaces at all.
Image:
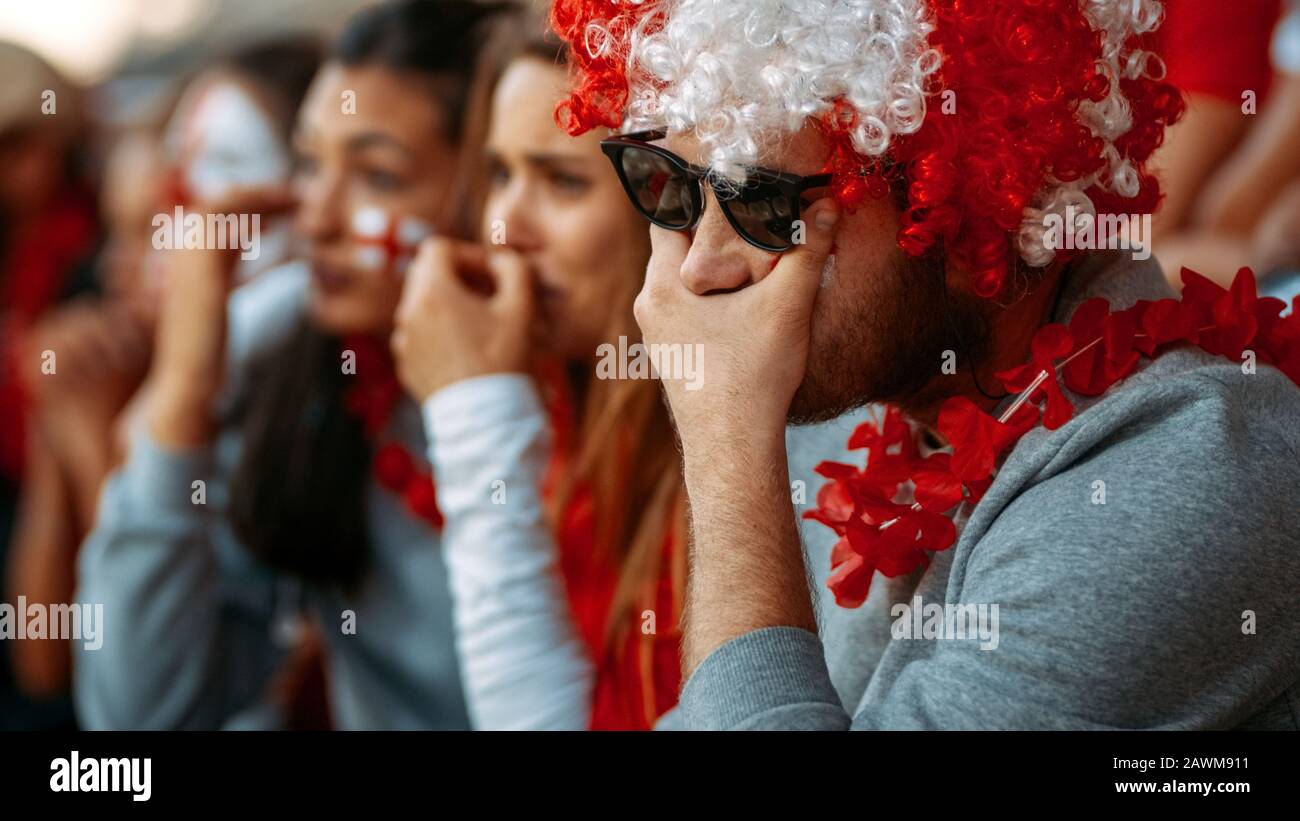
{"x":754,"y":340}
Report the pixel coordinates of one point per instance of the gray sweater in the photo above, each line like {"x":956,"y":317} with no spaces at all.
{"x":195,"y":628}
{"x":1173,"y":605}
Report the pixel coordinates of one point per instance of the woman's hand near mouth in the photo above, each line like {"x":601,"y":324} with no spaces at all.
{"x":188,"y":367}
{"x":466,"y":311}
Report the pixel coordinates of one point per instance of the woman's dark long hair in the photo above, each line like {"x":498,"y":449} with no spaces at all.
{"x":298,"y":498}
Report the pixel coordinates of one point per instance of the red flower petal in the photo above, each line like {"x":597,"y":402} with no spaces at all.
{"x":1051,"y":342}
{"x":834,"y":498}
{"x":977,"y":489}
{"x":937,"y":489}
{"x":835,"y":470}
{"x":834,"y":506}
{"x":1233,"y":318}
{"x":874,"y":503}
{"x":841,"y":552}
{"x":1197,"y":290}
{"x":937,"y":531}
{"x":851,"y":581}
{"x":976,"y":438}
{"x":1018,"y":378}
{"x":897,"y":548}
{"x":861,"y":536}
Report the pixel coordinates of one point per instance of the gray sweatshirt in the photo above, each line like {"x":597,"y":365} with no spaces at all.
{"x":195,"y":628}
{"x":1144,"y":560}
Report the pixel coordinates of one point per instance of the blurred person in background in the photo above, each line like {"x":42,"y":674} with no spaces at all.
{"x":260,"y":496}
{"x":230,"y":128}
{"x":1213,"y":53}
{"x":1232,"y":165}
{"x":48,"y":231}
{"x":567,"y":588}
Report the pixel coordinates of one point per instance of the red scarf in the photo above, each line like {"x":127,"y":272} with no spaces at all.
{"x":371,"y":400}
{"x":638,"y":680}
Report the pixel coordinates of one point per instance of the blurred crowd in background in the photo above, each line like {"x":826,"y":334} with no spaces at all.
{"x":86,"y":168}
{"x":178,"y":102}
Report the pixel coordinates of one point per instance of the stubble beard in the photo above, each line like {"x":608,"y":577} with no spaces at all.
{"x":890,"y":349}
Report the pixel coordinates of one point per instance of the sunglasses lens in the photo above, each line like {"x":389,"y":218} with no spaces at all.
{"x":660,"y":189}
{"x":764,"y":214}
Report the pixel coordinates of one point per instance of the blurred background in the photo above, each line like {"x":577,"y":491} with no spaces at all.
{"x":95,"y":40}
{"x":94,"y":141}
{"x":130,"y":53}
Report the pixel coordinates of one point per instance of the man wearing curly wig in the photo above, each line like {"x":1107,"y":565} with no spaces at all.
{"x":895,"y":202}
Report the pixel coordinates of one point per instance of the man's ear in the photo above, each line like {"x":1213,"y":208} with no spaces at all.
{"x":1047,"y":281}
{"x":1024,"y":279}
{"x":956,"y":278}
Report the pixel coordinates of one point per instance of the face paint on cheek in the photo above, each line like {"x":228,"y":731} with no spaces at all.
{"x":386,"y":242}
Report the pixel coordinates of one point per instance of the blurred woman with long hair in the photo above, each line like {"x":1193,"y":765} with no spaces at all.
{"x":259,"y":501}
{"x":236,"y":116}
{"x":561,"y":487}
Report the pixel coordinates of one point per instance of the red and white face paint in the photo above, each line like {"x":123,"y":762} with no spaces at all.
{"x":386,"y":242}
{"x":220,"y":138}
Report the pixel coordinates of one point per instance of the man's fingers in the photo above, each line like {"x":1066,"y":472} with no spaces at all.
{"x":668,"y":250}
{"x":800,"y":268}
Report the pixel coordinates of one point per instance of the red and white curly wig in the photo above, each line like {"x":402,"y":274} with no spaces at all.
{"x":1054,"y":102}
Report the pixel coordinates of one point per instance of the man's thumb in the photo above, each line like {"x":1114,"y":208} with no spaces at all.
{"x":814,"y":237}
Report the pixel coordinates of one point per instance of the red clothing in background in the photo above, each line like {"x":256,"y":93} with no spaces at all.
{"x":1218,"y":48}
{"x":638,"y":680}
{"x":34,"y":271}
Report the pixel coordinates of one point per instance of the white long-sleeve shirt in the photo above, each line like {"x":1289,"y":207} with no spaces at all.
{"x":523,"y":663}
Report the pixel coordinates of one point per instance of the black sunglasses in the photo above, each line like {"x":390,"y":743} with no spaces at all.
{"x":669,"y":192}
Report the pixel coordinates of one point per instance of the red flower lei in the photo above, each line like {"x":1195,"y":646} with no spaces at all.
{"x":371,"y":400}
{"x":882,"y":529}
